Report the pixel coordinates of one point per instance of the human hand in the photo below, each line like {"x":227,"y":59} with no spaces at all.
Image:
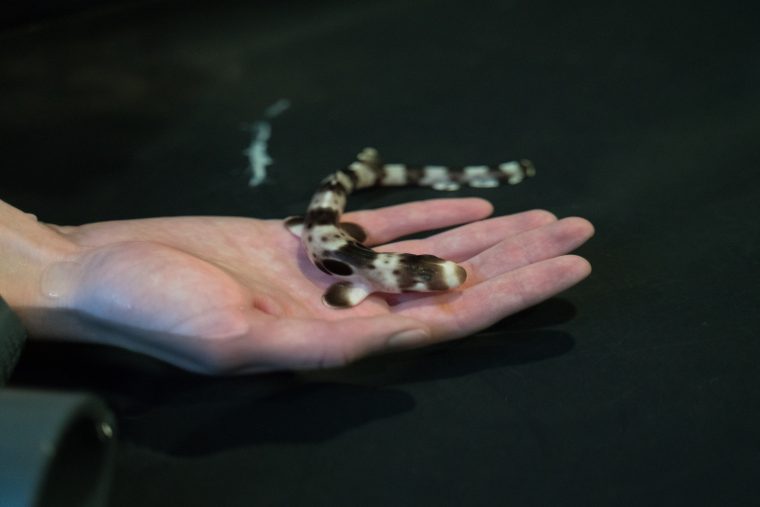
{"x":234,"y":295}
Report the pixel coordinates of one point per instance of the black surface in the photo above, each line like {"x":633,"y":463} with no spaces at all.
{"x":29,"y":13}
{"x":638,"y":387}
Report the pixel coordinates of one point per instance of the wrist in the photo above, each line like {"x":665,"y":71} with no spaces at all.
{"x":27,"y":249}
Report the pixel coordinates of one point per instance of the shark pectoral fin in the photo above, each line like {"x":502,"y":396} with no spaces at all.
{"x":356,"y":231}
{"x":344,"y":295}
{"x":294,"y":225}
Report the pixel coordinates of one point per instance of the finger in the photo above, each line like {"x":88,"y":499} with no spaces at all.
{"x":534,"y":245}
{"x":468,"y":240}
{"x":293,"y":343}
{"x":460,"y":313}
{"x":551,"y":240}
{"x":385,"y":224}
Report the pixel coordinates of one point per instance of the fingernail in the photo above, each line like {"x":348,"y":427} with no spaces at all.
{"x":409,"y":338}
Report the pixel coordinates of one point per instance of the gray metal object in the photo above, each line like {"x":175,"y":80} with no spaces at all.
{"x":56,"y":449}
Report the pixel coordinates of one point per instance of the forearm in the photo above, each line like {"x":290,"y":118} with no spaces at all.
{"x":27,"y":249}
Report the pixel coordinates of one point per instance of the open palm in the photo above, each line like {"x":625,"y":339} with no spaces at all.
{"x":232,"y":295}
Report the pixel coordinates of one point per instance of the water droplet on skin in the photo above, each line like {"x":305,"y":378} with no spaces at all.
{"x":56,"y":280}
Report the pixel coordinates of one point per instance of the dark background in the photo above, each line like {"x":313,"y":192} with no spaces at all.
{"x":638,"y":387}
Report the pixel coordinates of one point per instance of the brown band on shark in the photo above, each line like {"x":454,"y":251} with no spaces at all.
{"x":336,"y":247}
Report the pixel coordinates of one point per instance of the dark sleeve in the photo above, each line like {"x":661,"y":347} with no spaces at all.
{"x":12,"y":336}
